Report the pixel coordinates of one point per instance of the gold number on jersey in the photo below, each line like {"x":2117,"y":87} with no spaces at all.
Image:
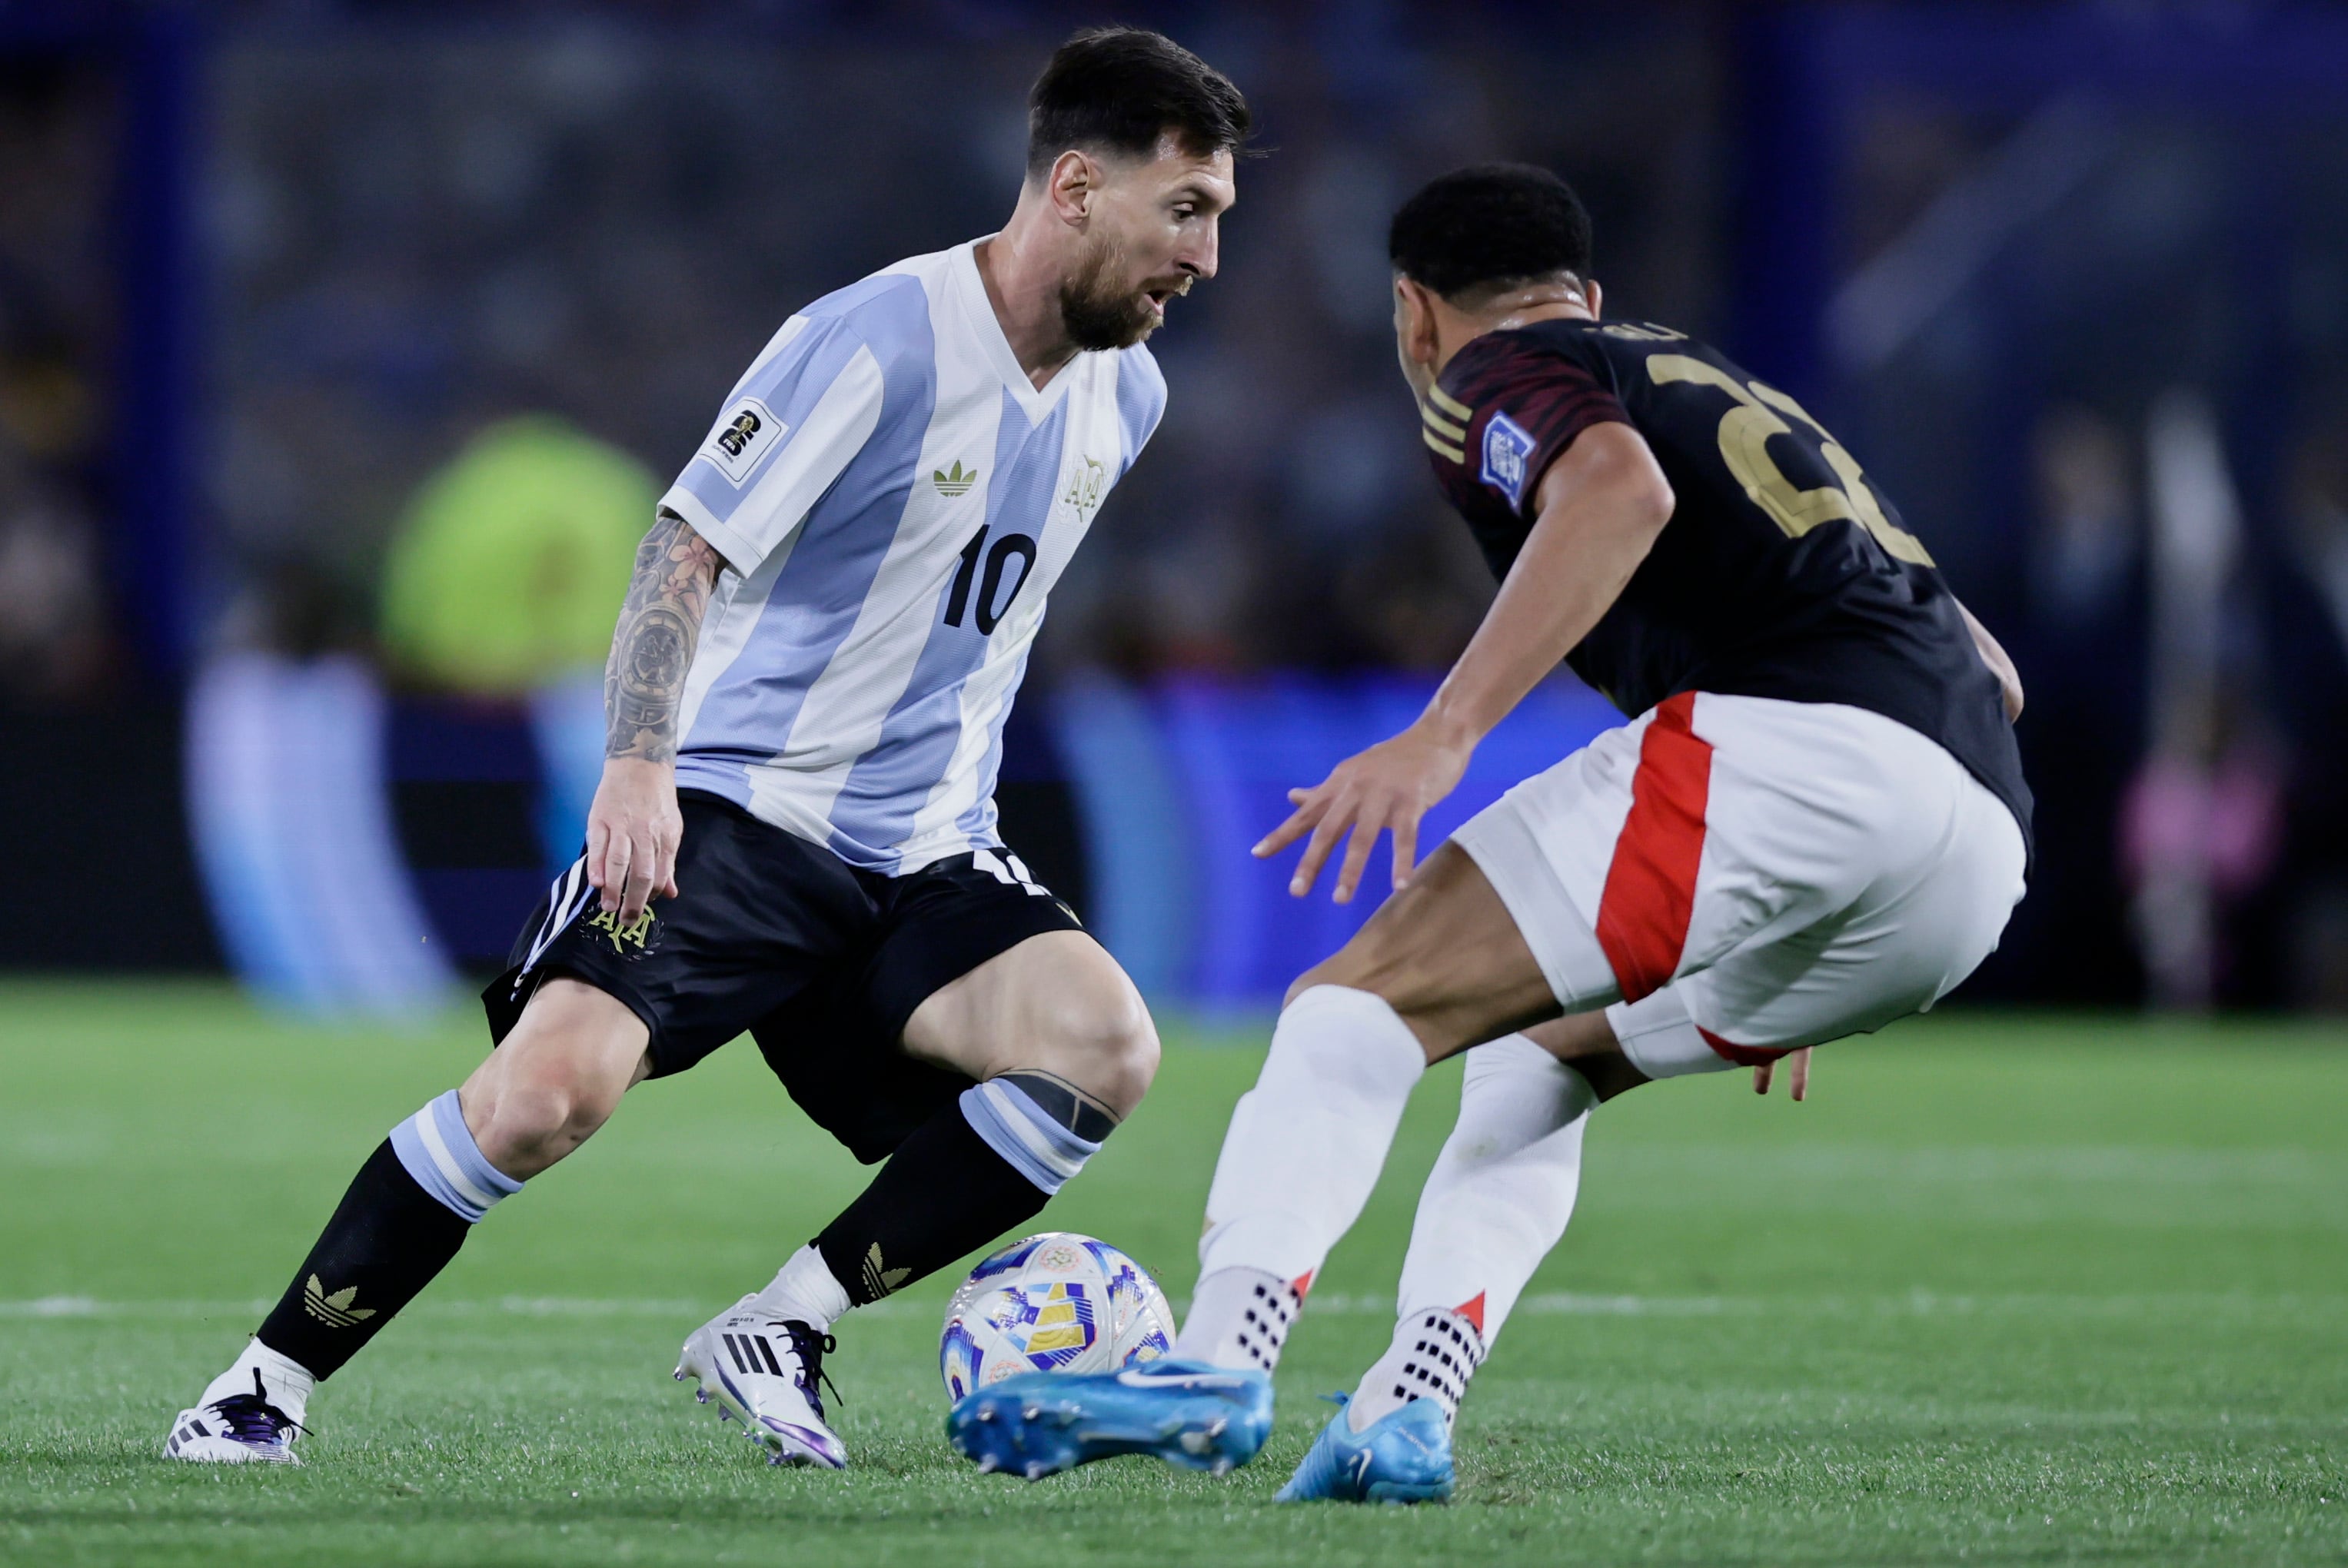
{"x":1744,"y":432}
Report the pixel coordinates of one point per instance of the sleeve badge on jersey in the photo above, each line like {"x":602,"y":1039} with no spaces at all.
{"x":1506,"y":448}
{"x":744,"y":433}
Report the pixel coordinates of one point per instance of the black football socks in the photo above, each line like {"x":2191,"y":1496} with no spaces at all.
{"x":404,"y":1216}
{"x":969,"y":1173}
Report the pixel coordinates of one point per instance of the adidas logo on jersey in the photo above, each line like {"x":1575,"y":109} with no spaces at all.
{"x":953,"y":481}
{"x":335,"y":1310}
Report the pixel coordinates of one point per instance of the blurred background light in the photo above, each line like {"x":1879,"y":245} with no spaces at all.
{"x":344,"y":344}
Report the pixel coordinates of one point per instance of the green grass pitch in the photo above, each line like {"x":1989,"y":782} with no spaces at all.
{"x":2006,"y":1290}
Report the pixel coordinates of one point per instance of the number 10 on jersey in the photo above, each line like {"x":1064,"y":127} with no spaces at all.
{"x":993,"y":601}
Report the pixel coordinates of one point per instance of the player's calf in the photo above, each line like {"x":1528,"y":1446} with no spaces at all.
{"x":405,"y":1213}
{"x":983,"y":1166}
{"x":1062,"y":1048}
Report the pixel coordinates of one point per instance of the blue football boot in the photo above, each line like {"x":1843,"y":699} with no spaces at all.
{"x":1184,"y":1412}
{"x":1405,"y":1457}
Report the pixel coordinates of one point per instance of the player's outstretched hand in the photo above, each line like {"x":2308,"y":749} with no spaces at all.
{"x":632,"y":832}
{"x":1389,"y":786}
{"x":1797,"y":1074}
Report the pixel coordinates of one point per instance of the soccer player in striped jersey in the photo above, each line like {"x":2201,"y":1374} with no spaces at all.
{"x":1813,"y":823}
{"x":795,"y":835}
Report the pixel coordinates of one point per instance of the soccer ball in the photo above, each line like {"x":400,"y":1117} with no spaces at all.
{"x":1057,"y":1302}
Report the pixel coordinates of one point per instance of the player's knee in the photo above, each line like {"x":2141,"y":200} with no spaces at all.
{"x":523,"y":1126}
{"x":1356,"y":967}
{"x":1108,"y":1045}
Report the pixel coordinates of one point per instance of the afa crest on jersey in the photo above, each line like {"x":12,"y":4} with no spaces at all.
{"x":1507,"y":449}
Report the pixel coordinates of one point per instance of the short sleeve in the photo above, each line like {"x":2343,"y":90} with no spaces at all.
{"x":805,"y":409}
{"x":1505,"y":408}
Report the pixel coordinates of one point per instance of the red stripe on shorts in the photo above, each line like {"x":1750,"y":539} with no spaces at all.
{"x":1643,"y":915}
{"x":1745,"y":1055}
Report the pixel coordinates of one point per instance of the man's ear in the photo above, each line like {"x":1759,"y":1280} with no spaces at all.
{"x":1595,"y":295}
{"x":1415,"y":301}
{"x":1069,"y":185}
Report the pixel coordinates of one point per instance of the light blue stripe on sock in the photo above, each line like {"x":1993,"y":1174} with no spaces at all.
{"x":1025,"y":1133}
{"x":437,"y":1150}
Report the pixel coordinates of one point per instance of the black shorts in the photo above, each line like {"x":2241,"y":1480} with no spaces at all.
{"x":821,"y":963}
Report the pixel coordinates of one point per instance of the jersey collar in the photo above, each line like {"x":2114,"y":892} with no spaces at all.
{"x":978,"y":311}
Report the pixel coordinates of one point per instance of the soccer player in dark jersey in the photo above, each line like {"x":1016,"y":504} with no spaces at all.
{"x":1813,"y":823}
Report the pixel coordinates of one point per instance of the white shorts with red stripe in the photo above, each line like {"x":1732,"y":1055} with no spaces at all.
{"x":1733,"y":877}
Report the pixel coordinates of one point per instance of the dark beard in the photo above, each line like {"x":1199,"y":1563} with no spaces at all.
{"x":1097,"y":311}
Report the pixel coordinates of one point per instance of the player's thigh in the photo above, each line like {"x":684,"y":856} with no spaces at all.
{"x":980,"y":970}
{"x":1445,"y":953}
{"x":1056,"y":1002}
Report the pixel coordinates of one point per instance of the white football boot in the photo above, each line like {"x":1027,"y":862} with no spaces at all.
{"x":240,"y":1428}
{"x":763,"y":1371}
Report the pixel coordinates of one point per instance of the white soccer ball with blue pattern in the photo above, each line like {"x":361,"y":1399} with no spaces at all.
{"x":1057,"y":1302}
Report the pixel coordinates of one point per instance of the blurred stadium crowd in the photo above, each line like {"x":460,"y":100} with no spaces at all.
{"x":459,"y":286}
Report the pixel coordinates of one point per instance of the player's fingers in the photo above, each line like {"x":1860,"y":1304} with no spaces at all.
{"x":599,"y":838}
{"x":664,"y":863}
{"x":1332,"y":828}
{"x":1761,"y":1074}
{"x":1299,"y":795}
{"x":1369,"y":822}
{"x":1797,"y":1073}
{"x":1366,"y":827}
{"x":1406,"y":849}
{"x":638,"y":891}
{"x":619,"y":851}
{"x":1299,"y":822}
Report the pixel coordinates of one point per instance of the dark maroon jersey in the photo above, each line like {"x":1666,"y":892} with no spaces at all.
{"x":1784,"y":572}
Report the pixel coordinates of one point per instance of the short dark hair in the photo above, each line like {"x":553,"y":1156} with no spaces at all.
{"x":1488,"y":228}
{"x":1121,"y":89}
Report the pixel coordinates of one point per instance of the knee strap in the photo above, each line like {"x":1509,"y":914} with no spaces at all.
{"x":1042,"y":1127}
{"x":437,"y":1150}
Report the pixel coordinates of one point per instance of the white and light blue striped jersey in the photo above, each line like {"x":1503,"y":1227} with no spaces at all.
{"x":895,"y":500}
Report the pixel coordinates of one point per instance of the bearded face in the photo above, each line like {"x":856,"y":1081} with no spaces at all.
{"x":1102,"y":304}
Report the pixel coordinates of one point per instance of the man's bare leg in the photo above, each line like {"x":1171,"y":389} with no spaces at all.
{"x":1062,"y":1048}
{"x":560,"y":1073}
{"x":556,"y":1079}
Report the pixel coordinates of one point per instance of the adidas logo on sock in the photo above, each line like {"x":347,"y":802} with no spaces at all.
{"x":877,"y":1281}
{"x":335,"y":1311}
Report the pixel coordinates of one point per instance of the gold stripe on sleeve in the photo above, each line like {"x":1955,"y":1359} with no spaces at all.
{"x":1454,"y":453}
{"x":1440,"y":425}
{"x":1448,"y":403}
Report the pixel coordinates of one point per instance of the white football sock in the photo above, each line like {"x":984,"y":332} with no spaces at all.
{"x":285,"y":1382}
{"x":1240,"y":1318}
{"x":1434,"y":1354}
{"x":1303,"y":1151}
{"x":1495,"y":1203}
{"x":804,"y":1289}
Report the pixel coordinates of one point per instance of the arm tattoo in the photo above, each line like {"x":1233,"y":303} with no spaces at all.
{"x":660,"y":623}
